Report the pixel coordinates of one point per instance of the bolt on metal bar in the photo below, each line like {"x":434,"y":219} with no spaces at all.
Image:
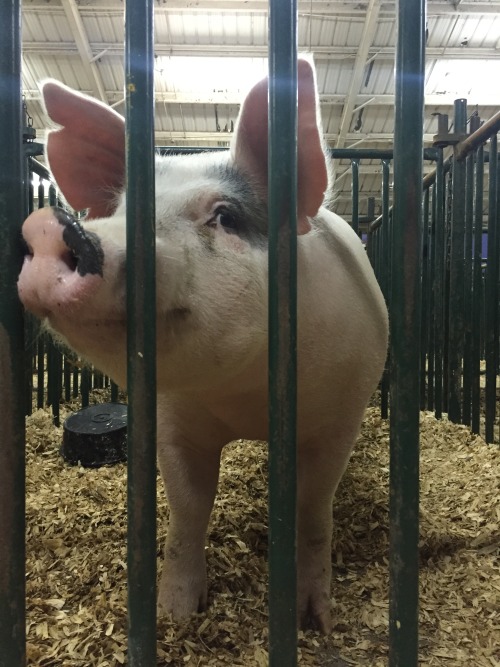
{"x":12,"y":437}
{"x":405,"y":334}
{"x":141,"y":333}
{"x":282,"y":332}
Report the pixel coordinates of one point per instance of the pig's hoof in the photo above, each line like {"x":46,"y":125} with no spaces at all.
{"x":181,"y":603}
{"x":316,"y":615}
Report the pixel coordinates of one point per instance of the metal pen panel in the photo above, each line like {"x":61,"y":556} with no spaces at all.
{"x":141,"y":333}
{"x":12,"y":437}
{"x":405,"y":334}
{"x":282,"y":332}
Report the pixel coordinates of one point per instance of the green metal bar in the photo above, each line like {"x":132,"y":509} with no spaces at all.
{"x":405,"y":334}
{"x":439,"y":283}
{"x":431,"y":359}
{"x":85,"y":386}
{"x":385,"y":276}
{"x":492,"y":293}
{"x":40,"y":368}
{"x":424,"y":324}
{"x":54,"y":355}
{"x":282,"y":332}
{"x":456,"y":330}
{"x":114,"y":392}
{"x":355,"y":195}
{"x":477,"y":291}
{"x":141,"y":332}
{"x":12,"y":438}
{"x":467,"y":272}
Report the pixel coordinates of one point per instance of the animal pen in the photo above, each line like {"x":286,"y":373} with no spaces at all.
{"x":435,"y":248}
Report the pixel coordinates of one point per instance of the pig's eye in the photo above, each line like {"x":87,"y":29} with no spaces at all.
{"x":225,"y":218}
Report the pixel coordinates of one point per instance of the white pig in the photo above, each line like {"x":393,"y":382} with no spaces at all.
{"x":212,"y":274}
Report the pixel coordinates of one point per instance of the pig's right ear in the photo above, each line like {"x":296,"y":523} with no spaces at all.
{"x":87,"y":154}
{"x":249,"y":147}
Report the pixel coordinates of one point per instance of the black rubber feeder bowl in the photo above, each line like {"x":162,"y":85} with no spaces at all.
{"x":96,"y":436}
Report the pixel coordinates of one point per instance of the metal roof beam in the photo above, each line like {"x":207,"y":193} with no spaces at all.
{"x":369,"y":30}
{"x":436,"y":100}
{"x":115,"y":49}
{"x":84,"y":49}
{"x":347,"y":8}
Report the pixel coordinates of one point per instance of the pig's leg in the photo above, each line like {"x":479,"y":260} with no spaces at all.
{"x":321,"y":464}
{"x":190,"y":477}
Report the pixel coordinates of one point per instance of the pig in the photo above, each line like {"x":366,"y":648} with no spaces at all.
{"x":212,"y":320}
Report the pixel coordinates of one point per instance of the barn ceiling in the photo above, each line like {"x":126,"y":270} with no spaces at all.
{"x":210,"y":51}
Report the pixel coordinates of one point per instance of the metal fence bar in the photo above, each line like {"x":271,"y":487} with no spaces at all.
{"x":141,"y":333}
{"x":477,"y":289}
{"x":405,"y":334}
{"x":456,"y":326}
{"x":468,"y":321}
{"x":355,"y":194}
{"x":12,"y":387}
{"x":492,"y":292}
{"x":439,"y":294}
{"x":282,"y":332}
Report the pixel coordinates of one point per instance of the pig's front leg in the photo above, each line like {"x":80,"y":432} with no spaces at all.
{"x":190,"y":477}
{"x":320,"y":467}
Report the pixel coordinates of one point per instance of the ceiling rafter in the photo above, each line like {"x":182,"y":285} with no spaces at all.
{"x":349,"y":8}
{"x":369,"y":30}
{"x":237,"y":50}
{"x":235,"y":99}
{"x":84,"y":49}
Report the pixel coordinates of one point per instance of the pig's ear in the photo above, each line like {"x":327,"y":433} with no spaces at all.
{"x":249,"y":148}
{"x":87,"y":154}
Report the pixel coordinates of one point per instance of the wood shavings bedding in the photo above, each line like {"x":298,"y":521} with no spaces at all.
{"x":76,"y":558}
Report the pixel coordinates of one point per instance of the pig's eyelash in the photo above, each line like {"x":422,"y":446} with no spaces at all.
{"x":226,"y":218}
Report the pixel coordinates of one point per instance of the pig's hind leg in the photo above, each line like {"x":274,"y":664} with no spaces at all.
{"x":321,"y":464}
{"x":190,"y":477}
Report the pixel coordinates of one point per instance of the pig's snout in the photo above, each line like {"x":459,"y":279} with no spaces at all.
{"x":63,"y":265}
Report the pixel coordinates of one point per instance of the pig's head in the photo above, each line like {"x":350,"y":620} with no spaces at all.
{"x":211,"y":240}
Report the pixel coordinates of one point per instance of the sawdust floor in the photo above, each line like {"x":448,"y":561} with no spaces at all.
{"x":76,"y":572}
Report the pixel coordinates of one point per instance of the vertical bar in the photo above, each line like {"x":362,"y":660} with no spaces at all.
{"x":432,"y":304}
{"x":456,"y":324}
{"x":425,"y":301}
{"x":467,"y":271}
{"x":492,"y":292}
{"x":355,"y":195}
{"x":282,"y":332}
{"x":85,"y":386}
{"x":40,"y":368}
{"x":12,"y":438}
{"x":141,"y":332}
{"x":439,"y":235}
{"x":405,"y":334}
{"x":477,"y":290}
{"x":386,"y":277}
